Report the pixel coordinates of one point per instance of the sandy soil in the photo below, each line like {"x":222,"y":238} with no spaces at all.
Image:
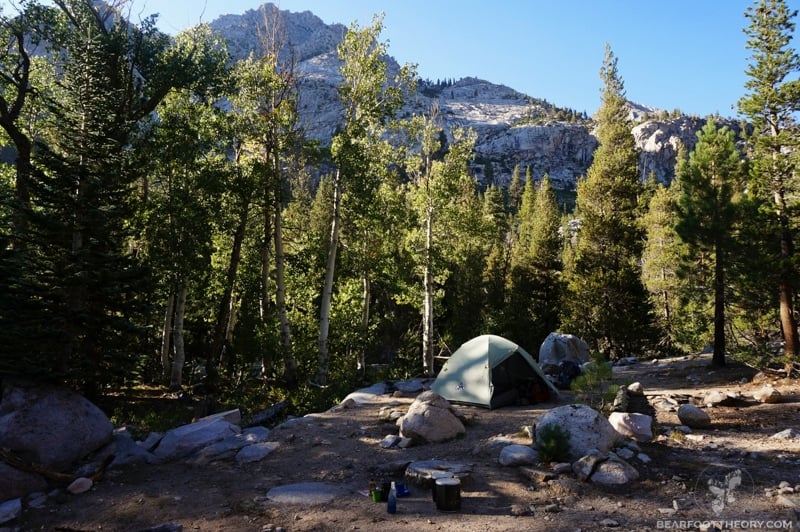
{"x":342,"y":447}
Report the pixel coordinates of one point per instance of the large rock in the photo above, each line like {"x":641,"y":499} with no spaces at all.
{"x":430,"y":418}
{"x":50,"y":425}
{"x":187,"y":439}
{"x":588,"y":428}
{"x":558,"y":347}
{"x":15,"y":483}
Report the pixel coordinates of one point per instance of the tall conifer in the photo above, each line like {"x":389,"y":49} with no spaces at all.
{"x":608,"y":304}
{"x":771,"y":104}
{"x":707,"y":213}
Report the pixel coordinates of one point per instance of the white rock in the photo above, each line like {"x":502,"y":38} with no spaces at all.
{"x":768,"y":394}
{"x":256,"y":452}
{"x":632,"y":425}
{"x":588,"y":428}
{"x":558,"y":347}
{"x":636,"y":388}
{"x":80,"y":485}
{"x":430,"y":418}
{"x":518,"y":455}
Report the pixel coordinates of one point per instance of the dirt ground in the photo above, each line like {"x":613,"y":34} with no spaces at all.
{"x":342,"y":447}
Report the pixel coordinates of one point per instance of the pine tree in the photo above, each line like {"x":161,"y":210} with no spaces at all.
{"x":673,"y":281}
{"x":534,"y":293}
{"x":707,"y":212}
{"x":515,"y":189}
{"x":771,"y":105}
{"x":607,"y":302}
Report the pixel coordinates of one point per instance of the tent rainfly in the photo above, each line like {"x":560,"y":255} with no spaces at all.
{"x":491,"y":371}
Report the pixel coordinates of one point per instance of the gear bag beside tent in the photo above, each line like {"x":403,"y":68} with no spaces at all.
{"x":491,"y":371}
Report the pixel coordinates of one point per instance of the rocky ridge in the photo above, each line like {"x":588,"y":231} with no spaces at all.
{"x":512,"y":128}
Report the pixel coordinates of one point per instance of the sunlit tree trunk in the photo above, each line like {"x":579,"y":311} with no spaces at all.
{"x":176,"y":376}
{"x":166,"y":335}
{"x":323,"y":357}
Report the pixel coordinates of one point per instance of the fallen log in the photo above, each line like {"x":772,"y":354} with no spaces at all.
{"x":15,"y":461}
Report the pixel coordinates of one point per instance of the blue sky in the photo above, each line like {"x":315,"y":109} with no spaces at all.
{"x":681,"y":54}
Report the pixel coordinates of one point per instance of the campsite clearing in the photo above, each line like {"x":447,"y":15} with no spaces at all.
{"x":342,"y":448}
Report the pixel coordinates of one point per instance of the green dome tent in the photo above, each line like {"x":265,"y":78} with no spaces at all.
{"x":491,"y":371}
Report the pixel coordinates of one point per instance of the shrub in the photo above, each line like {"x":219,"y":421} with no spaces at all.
{"x":552,"y":443}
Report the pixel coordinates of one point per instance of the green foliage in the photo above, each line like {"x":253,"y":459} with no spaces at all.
{"x":552,"y":443}
{"x":771,"y":105}
{"x":710,"y":182}
{"x":606,"y":301}
{"x":664,"y":260}
{"x":594,"y":387}
{"x":118,"y":209}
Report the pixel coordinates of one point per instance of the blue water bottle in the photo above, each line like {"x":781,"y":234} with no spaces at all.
{"x":391,"y":501}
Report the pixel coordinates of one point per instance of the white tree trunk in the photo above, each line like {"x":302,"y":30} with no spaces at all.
{"x":365,"y":299}
{"x":327,"y":291}
{"x":166,"y":336}
{"x":176,"y":378}
{"x":427,"y":305}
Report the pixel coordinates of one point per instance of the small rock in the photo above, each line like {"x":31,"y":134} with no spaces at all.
{"x":614,"y":472}
{"x":636,"y":388}
{"x":37,"y":500}
{"x":585,"y":466}
{"x":693,"y":416}
{"x":256,"y":452}
{"x":768,"y":394}
{"x":667,"y":511}
{"x":519,"y":510}
{"x":644,"y":458}
{"x":786,"y":434}
{"x":518,"y":455}
{"x":716,"y":398}
{"x":632,"y":425}
{"x":609,"y":523}
{"x":679,"y":504}
{"x":10,"y":510}
{"x":786,"y":502}
{"x":390,"y":440}
{"x":625,"y":453}
{"x":537,"y":475}
{"x":552,"y":508}
{"x":80,"y":485}
{"x":562,"y":467}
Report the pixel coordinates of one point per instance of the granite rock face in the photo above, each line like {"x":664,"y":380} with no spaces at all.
{"x":513,"y":129}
